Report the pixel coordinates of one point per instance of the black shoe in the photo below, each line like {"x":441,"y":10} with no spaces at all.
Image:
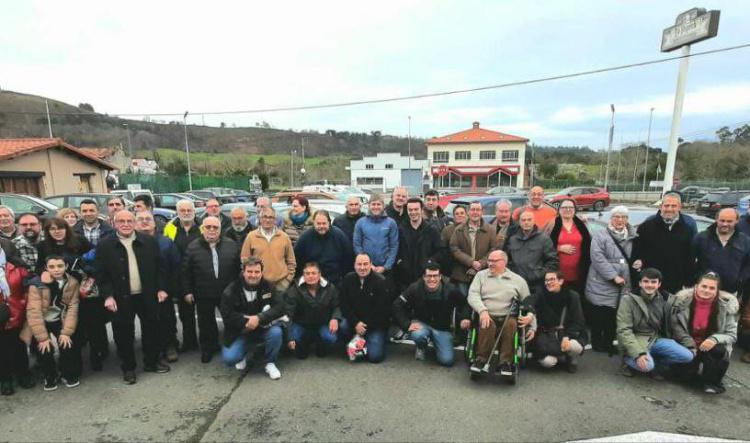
{"x":6,"y":388}
{"x":71,"y":382}
{"x":159,"y":368}
{"x":206,"y":356}
{"x":572,"y":364}
{"x":96,"y":364}
{"x":626,"y":371}
{"x":321,"y":351}
{"x":27,"y":381}
{"x":708,"y":389}
{"x":50,"y":384}
{"x":128,"y":377}
{"x":506,"y":370}
{"x":104,"y":354}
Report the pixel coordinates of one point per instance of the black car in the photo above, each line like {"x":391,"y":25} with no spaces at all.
{"x":713,"y":202}
{"x":213,"y":193}
{"x":170,"y":200}
{"x":21,"y":203}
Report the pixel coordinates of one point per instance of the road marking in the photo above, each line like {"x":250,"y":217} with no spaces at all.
{"x":651,"y":436}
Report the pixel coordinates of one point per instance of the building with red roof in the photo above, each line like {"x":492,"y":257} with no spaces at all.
{"x":477,"y":158}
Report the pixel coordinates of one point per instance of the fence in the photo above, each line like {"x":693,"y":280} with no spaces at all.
{"x":165,"y":183}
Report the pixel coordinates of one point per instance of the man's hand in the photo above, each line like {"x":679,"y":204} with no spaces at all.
{"x":415,"y":326}
{"x":530,"y":334}
{"x":565,"y":344}
{"x":46,"y":277}
{"x":110,"y":304}
{"x":476,"y":265}
{"x":465,"y":324}
{"x":189,"y":299}
{"x":379,"y":269}
{"x":619,"y":281}
{"x":525,"y":320}
{"x":360,"y":328}
{"x":707,"y":345}
{"x":65,"y":342}
{"x":484,"y":320}
{"x":333,"y":325}
{"x":44,"y":346}
{"x":292,"y":345}
{"x":162,"y":295}
{"x":252,"y":322}
{"x":642,"y":362}
{"x":567,"y":249}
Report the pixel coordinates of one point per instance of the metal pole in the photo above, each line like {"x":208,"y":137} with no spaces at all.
{"x":674,"y":134}
{"x":410,"y":142}
{"x":49,"y":122}
{"x":648,"y":145}
{"x":609,"y":149}
{"x":187,"y":151}
{"x":130,"y":148}
{"x":291,"y":169}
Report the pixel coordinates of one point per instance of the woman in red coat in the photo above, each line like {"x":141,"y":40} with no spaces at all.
{"x":14,"y":360}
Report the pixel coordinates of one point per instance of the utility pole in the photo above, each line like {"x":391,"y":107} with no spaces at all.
{"x":648,"y":146}
{"x":130,"y":148}
{"x":49,"y":122}
{"x":291,"y":168}
{"x":609,"y":149}
{"x":410,"y":142}
{"x":187,"y":151}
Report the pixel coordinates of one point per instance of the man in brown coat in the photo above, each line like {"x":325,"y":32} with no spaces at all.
{"x":273,"y":246}
{"x":470,"y":245}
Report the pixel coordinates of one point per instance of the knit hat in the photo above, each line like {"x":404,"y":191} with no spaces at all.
{"x":622,"y":210}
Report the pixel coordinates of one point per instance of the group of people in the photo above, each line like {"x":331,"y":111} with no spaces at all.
{"x":669,"y":295}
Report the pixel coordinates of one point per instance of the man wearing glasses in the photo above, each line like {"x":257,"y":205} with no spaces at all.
{"x":210,"y":264}
{"x":26,"y":243}
{"x":131,"y":282}
{"x":274,"y":248}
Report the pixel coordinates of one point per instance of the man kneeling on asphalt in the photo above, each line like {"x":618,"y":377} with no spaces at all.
{"x":493,"y":294}
{"x":251,"y":311}
{"x":313,"y":306}
{"x":425,"y":310}
{"x":642,"y":329}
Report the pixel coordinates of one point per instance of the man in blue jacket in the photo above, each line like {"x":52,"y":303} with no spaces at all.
{"x":377,"y":236}
{"x":724,"y":250}
{"x":326,"y":245}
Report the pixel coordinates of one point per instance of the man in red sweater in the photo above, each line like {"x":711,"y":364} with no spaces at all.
{"x":543,"y":213}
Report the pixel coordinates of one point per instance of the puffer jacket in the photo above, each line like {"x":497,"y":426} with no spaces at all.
{"x":16,"y":301}
{"x":640,"y":322}
{"x":727,"y":309}
{"x":607,"y":263}
{"x":531,"y":255}
{"x":312,"y":312}
{"x":198,"y":276}
{"x":38,"y":304}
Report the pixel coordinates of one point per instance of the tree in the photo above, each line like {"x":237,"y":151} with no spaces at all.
{"x":548,"y":169}
{"x":86,"y":107}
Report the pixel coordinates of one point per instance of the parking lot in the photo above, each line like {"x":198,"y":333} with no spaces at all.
{"x":399,"y":400}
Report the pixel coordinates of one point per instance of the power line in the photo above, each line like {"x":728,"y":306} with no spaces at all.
{"x":420,"y":96}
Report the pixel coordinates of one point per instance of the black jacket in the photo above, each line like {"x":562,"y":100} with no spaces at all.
{"x":312,"y":312}
{"x":731,"y":262}
{"x":105,"y":230}
{"x":72,"y":255}
{"x":669,"y":251}
{"x":198,"y":276}
{"x":226,"y":222}
{"x":437,"y":219}
{"x":368,"y":301}
{"x":112,"y":275}
{"x":238,"y":237}
{"x":333,"y":252}
{"x":585,"y":262}
{"x":434,"y":309}
{"x":346,"y":223}
{"x":268,"y":306}
{"x":391,"y":212}
{"x":549,"y":307}
{"x":415,"y":247}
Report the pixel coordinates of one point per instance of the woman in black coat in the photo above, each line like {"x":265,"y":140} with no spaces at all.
{"x":572,"y":240}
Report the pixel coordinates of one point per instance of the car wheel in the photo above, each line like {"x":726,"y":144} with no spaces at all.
{"x":599,"y":205}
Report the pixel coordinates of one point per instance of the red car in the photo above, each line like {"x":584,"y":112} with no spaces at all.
{"x":584,"y":196}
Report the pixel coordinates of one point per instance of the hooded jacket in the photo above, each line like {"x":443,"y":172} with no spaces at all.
{"x":531,"y":255}
{"x":641,"y":321}
{"x":725,"y":319}
{"x":377,"y":236}
{"x":38,"y":305}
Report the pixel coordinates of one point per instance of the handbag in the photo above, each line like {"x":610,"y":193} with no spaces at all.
{"x":88,"y":288}
{"x":547,"y":342}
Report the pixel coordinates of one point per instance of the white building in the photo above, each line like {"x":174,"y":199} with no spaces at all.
{"x":143,"y":166}
{"x":388,"y":170}
{"x":477,"y":158}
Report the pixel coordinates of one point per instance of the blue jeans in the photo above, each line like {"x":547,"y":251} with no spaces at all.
{"x":321,"y":334}
{"x":376,"y":339}
{"x":272,"y":338}
{"x":442,"y":340}
{"x":664,"y":351}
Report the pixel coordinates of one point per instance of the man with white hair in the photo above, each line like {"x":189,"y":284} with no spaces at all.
{"x":240,"y":225}
{"x":260,"y":203}
{"x":503,"y":225}
{"x":7,"y":223}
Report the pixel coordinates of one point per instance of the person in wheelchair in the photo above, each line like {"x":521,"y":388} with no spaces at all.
{"x":561,"y":332}
{"x":493,"y":294}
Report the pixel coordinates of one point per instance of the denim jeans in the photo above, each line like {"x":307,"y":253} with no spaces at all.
{"x":305,"y":335}
{"x":442,"y":340}
{"x":664,"y":351}
{"x":272,"y":338}
{"x":376,"y":340}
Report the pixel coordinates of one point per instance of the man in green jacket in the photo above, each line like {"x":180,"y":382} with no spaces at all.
{"x":643,"y":328}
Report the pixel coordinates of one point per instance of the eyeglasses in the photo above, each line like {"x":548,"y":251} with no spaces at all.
{"x":267,"y":217}
{"x":432,"y":277}
{"x":211,"y":227}
{"x":125,"y":222}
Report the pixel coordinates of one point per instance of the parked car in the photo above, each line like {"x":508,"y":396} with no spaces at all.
{"x":449,"y":195}
{"x":21,"y":203}
{"x":586,"y":197}
{"x":488,"y":204}
{"x":169,"y":201}
{"x":743,"y":204}
{"x":244,"y":196}
{"x":74,"y":201}
{"x":636,"y":216}
{"x":504,"y":190}
{"x":131,"y":194}
{"x":288,"y":196}
{"x":713,"y":202}
{"x":215,"y":193}
{"x":691,"y":194}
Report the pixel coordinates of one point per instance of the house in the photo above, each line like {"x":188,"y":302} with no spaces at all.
{"x":49,"y":166}
{"x":388,"y":170}
{"x":477,"y":158}
{"x":143,"y":166}
{"x":113,"y":155}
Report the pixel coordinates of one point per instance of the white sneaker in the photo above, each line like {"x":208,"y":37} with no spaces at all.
{"x":272,"y":371}
{"x":241,"y":366}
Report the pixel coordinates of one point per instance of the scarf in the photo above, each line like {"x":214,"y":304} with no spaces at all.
{"x":620,"y":235}
{"x":299,"y":219}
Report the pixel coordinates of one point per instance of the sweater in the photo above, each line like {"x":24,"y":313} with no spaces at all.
{"x":278,"y":258}
{"x":497,"y":293}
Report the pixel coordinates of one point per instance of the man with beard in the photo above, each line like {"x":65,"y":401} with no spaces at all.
{"x":240,"y":226}
{"x":26,"y":243}
{"x":327,"y":246}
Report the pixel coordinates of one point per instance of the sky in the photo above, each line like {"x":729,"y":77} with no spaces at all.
{"x":141,"y":57}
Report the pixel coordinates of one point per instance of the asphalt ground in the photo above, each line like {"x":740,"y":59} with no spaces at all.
{"x":331,"y":399}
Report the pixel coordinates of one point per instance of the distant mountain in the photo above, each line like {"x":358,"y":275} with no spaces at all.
{"x":23,"y":115}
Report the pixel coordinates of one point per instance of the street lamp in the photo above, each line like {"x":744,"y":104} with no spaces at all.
{"x":648,"y":144}
{"x":609,"y":149}
{"x":187,"y":151}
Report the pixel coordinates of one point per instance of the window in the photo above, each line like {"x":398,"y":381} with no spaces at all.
{"x":440,"y":157}
{"x":369,"y":166}
{"x":369,"y":180}
{"x":388,"y":166}
{"x":57,"y":201}
{"x":510,"y":156}
{"x":84,"y":182}
{"x":487,"y":155}
{"x":463,"y":155}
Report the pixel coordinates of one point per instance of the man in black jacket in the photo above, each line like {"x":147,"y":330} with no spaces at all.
{"x":210,"y":264}
{"x":130,"y":281}
{"x":396,"y":208}
{"x":366,"y":305}
{"x":240,"y":225}
{"x":327,"y":246}
{"x":425,"y":311}
{"x":313,"y":307}
{"x":252,"y":312}
{"x":418,"y":242}
{"x":726,"y":251}
{"x":664,"y":242}
{"x":348,"y":220}
{"x":213,"y":209}
{"x":433,"y":213}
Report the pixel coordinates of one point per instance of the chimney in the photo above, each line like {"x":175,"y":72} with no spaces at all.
{"x":475,"y":125}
